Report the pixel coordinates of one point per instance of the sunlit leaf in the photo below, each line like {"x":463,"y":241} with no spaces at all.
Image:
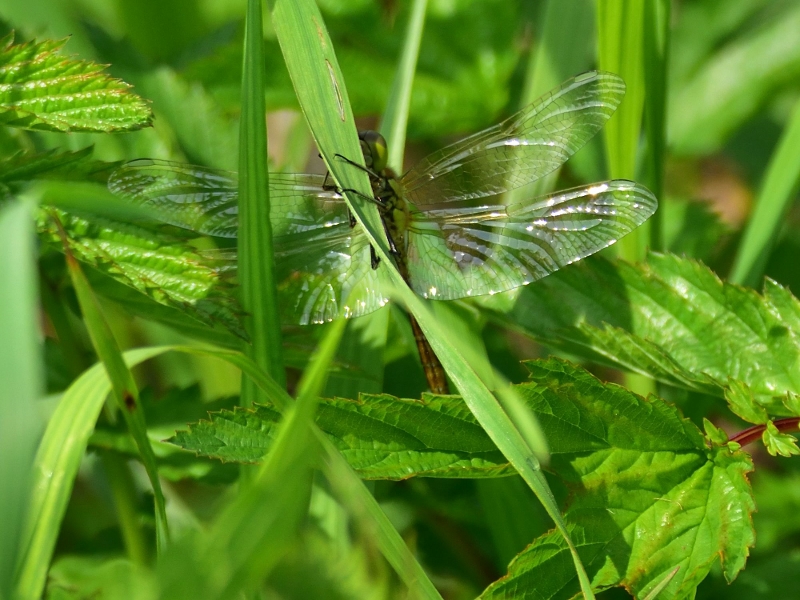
{"x":41,"y":89}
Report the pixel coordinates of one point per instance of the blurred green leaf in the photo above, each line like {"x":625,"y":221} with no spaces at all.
{"x":78,"y":577}
{"x":733,"y":83}
{"x":630,"y":463}
{"x":126,"y":392}
{"x":43,"y":90}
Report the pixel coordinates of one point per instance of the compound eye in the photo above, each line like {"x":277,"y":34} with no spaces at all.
{"x":378,"y":151}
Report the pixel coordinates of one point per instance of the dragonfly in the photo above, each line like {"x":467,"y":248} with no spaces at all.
{"x":451,"y":232}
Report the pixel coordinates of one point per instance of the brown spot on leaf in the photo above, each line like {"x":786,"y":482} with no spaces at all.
{"x":129,"y":401}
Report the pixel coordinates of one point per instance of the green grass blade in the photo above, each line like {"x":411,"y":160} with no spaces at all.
{"x":319,"y":85}
{"x":125,"y":390}
{"x":556,"y":58}
{"x":657,"y":15}
{"x":56,"y":466}
{"x":307,"y":49}
{"x":365,"y":338}
{"x":774,"y":200}
{"x":21,"y":379}
{"x":620,"y":39}
{"x":254,"y":532}
{"x":395,"y":117}
{"x":256,"y":267}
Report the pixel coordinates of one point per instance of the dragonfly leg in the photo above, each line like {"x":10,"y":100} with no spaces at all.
{"x":392,"y":246}
{"x":374,"y":259}
{"x":367,"y":170}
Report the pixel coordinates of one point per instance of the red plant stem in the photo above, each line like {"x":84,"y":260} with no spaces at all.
{"x":751,"y":434}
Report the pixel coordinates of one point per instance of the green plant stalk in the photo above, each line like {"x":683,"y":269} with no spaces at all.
{"x":123,"y":489}
{"x":555,"y":58}
{"x":657,"y":14}
{"x":309,"y":54}
{"x":620,"y":39}
{"x":620,"y":50}
{"x":256,"y":270}
{"x":774,"y":200}
{"x":74,"y":355}
{"x":395,"y":118}
{"x":126,"y":392}
{"x":21,"y":380}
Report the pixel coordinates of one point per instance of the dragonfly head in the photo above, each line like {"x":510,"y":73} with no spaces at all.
{"x":373,"y":146}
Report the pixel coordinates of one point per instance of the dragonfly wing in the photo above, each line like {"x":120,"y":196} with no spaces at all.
{"x":195,"y":198}
{"x":322,"y":263}
{"x":526,"y":146}
{"x":326,"y":272}
{"x":485,"y":250}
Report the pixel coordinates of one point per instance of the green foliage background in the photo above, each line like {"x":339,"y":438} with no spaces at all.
{"x":711,"y":123}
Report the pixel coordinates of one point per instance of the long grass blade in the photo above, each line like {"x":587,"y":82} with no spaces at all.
{"x":774,"y":200}
{"x":395,"y":117}
{"x":126,"y":392}
{"x":57,"y":461}
{"x":306,"y":48}
{"x":256,"y":263}
{"x":657,"y":15}
{"x":620,"y":38}
{"x":21,"y":380}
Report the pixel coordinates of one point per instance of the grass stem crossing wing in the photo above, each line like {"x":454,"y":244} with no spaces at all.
{"x":454,"y":234}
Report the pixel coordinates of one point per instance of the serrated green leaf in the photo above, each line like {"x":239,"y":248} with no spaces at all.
{"x":741,"y":402}
{"x":673,"y":319}
{"x":40,"y":89}
{"x":381,"y":436}
{"x":778,"y":443}
{"x":164,"y":268}
{"x":647,"y":493}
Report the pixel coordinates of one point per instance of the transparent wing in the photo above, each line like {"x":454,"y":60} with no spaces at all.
{"x":188,"y":196}
{"x":490,"y":249}
{"x":521,"y":149}
{"x":323,"y":264}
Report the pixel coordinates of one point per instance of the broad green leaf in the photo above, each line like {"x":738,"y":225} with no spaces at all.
{"x":21,"y":379}
{"x":381,"y":436}
{"x":674,"y":320}
{"x":43,"y":90}
{"x":164,"y":268}
{"x":647,"y":493}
